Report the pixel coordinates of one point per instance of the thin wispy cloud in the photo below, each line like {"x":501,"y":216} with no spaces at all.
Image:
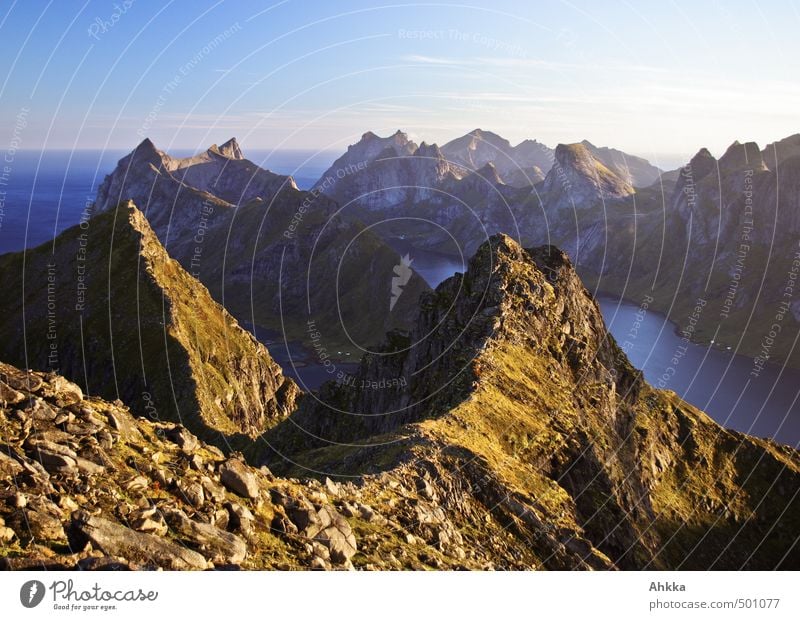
{"x":525,"y":63}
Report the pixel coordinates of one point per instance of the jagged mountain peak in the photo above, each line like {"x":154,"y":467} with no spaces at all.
{"x":778,"y":152}
{"x":633,"y":170}
{"x":572,"y":154}
{"x":174,"y":192}
{"x":431,"y":151}
{"x":489,"y":173}
{"x":703,"y":154}
{"x":146,"y":145}
{"x":701,"y":164}
{"x":230,"y":149}
{"x":741,"y":156}
{"x":478,"y":139}
{"x":370,"y":145}
{"x":146,"y":151}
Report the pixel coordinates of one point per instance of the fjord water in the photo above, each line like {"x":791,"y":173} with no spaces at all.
{"x":47,"y":193}
{"x":713,"y":380}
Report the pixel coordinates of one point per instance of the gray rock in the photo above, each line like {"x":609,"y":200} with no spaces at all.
{"x":137,"y":484}
{"x":192,"y":492}
{"x":66,"y":392}
{"x":117,"y":540}
{"x":88,"y":467}
{"x":148,"y":520}
{"x":121,"y":422}
{"x":9,"y":466}
{"x":37,"y":526}
{"x":10,"y":396}
{"x":183,"y":438}
{"x":41,"y":411}
{"x":304,"y":516}
{"x":217,"y":545}
{"x":213,"y":490}
{"x":236,"y":476}
{"x":332,"y":488}
{"x":240,"y":516}
{"x":56,"y":463}
{"x":366,"y":513}
{"x":341,"y":543}
{"x":335,"y":533}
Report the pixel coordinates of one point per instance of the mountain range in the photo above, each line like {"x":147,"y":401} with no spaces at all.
{"x":633,"y":231}
{"x":274,"y":256}
{"x":491,"y":423}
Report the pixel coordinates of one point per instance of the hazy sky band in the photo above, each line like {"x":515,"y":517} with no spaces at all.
{"x":318,"y":74}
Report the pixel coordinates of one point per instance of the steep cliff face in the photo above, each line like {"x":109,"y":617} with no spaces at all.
{"x":578,"y":180}
{"x":633,"y":170}
{"x":273,"y":255}
{"x":106,"y":306}
{"x":511,"y":394}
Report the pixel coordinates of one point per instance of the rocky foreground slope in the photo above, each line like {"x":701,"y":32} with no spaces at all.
{"x":84,"y":484}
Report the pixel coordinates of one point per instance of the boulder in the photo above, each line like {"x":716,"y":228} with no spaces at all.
{"x":183,"y":438}
{"x":148,"y":520}
{"x":88,"y":467}
{"x":325,"y":526}
{"x":54,"y":462}
{"x":192,"y":493}
{"x":37,"y":525}
{"x":65,"y":392}
{"x":237,"y":477}
{"x":240,"y":516}
{"x":6,"y":534}
{"x":213,"y":490}
{"x":217,"y":545}
{"x":10,"y":396}
{"x":119,"y":541}
{"x":123,"y":423}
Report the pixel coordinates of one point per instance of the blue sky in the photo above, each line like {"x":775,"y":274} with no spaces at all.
{"x":659,"y":79}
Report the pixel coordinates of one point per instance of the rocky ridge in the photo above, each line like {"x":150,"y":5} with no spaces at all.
{"x":122,"y":318}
